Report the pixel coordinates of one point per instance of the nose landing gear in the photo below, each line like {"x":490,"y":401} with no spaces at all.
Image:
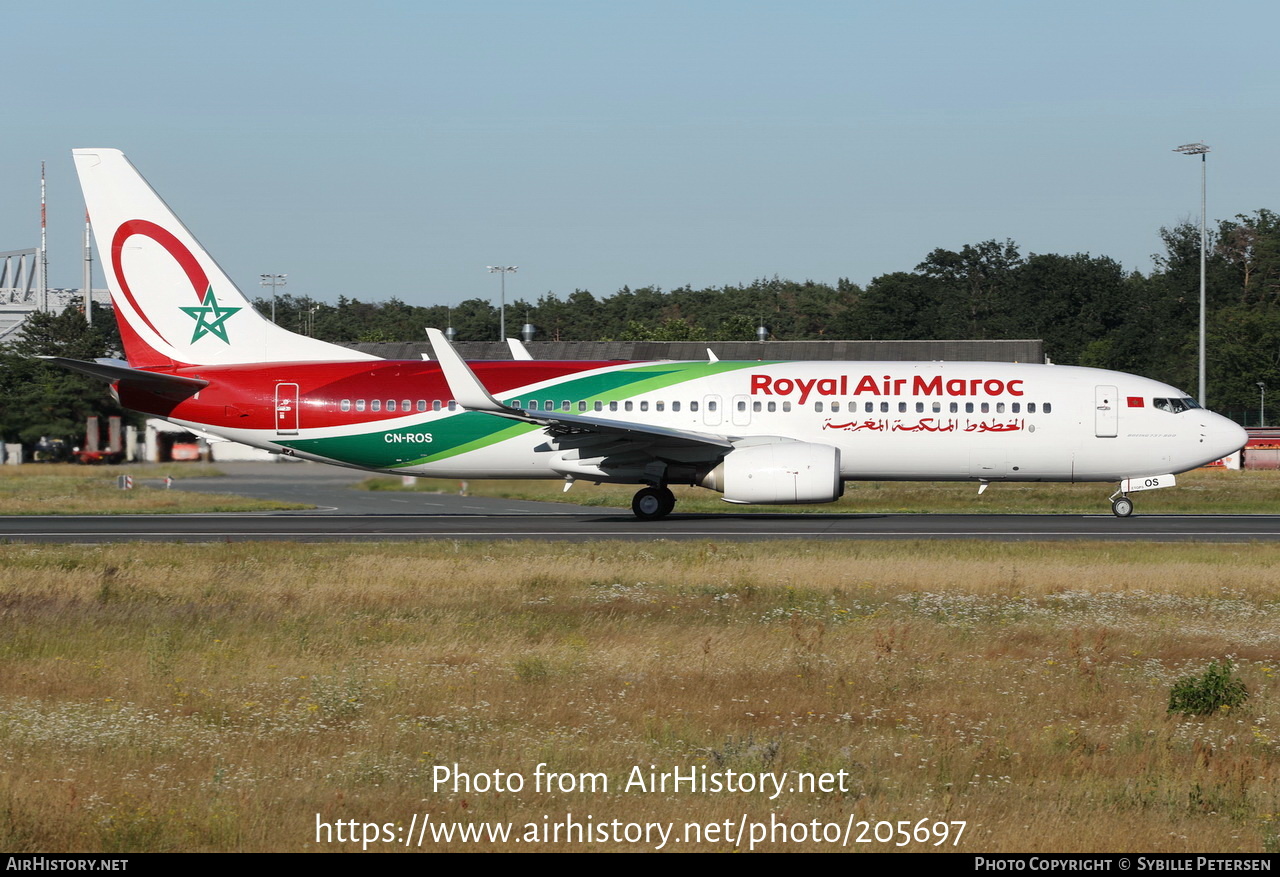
{"x":1121,"y":506}
{"x":653,"y":503}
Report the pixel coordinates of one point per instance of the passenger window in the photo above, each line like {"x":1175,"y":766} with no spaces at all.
{"x":435,"y":405}
{"x":742,"y":406}
{"x":644,"y":406}
{"x":786,"y":406}
{"x":422,"y":404}
{"x":711,"y":406}
{"x":773,"y":406}
{"x":675,"y":406}
{"x":626,"y":405}
{"x":884,"y":407}
{"x":359,"y":404}
{"x":659,"y":406}
{"x":986,"y":407}
{"x":955,"y":407}
{"x":391,"y":404}
{"x":1031,"y":408}
{"x":968,"y":408}
{"x":757,"y":407}
{"x":582,"y":406}
{"x":817,"y":406}
{"x":375,"y":405}
{"x":1016,"y":407}
{"x":406,"y":405}
{"x":693,"y":406}
{"x":835,"y":407}
{"x":902,"y":407}
{"x":613,"y":406}
{"x":599,"y":406}
{"x":937,"y":407}
{"x":919,"y":408}
{"x":533,"y":404}
{"x":453,"y":405}
{"x":345,"y":405}
{"x":564,"y":406}
{"x":999,"y":408}
{"x":1048,"y":408}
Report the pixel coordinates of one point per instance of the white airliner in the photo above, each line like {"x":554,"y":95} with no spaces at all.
{"x":758,"y":432}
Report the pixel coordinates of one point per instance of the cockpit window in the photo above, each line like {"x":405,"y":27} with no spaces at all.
{"x":1175,"y":406}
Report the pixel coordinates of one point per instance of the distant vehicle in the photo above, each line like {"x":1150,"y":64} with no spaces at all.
{"x":107,"y":457}
{"x":50,"y":450}
{"x":759,"y":432}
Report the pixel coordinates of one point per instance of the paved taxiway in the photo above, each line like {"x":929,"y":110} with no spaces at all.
{"x":344,"y":514}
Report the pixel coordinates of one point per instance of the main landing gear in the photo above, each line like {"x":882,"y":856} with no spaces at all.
{"x":653,"y":503}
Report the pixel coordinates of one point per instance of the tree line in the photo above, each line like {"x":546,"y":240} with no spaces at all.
{"x":1086,"y":308}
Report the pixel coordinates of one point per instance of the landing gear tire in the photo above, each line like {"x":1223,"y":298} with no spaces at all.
{"x":653,"y":503}
{"x":1122,"y":507}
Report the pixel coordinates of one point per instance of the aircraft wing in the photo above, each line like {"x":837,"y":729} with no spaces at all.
{"x":472,"y":395}
{"x":564,"y":423}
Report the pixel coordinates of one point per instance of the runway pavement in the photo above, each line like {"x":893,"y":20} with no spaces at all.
{"x":347,"y":515}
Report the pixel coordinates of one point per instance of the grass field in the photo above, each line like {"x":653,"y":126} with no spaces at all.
{"x":225,"y":697}
{"x":1199,"y":492}
{"x":69,"y":489}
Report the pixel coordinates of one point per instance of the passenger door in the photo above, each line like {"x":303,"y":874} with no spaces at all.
{"x":286,"y":409}
{"x":1106,"y":417}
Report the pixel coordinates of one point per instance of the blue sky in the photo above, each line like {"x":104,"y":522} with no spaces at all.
{"x":381,"y":149}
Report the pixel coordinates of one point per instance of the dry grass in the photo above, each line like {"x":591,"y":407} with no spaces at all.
{"x":69,"y":489}
{"x":218,"y":697}
{"x":1199,"y":492}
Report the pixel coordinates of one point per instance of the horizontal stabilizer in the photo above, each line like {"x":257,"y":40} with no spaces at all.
{"x":113,"y":373}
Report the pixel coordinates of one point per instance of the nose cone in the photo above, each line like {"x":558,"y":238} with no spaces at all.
{"x":1222,"y":436}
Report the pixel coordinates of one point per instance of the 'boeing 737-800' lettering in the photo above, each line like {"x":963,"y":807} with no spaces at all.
{"x":201,"y":356}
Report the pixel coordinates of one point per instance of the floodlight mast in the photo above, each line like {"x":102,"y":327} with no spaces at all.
{"x":273,"y":280}
{"x":502,"y":309}
{"x":1201,"y":150}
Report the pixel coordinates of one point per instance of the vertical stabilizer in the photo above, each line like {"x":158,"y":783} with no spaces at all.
{"x":174,"y":304}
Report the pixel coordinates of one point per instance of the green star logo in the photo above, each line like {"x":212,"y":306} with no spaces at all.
{"x":209,"y":318}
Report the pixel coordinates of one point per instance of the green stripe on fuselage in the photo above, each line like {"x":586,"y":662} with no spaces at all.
{"x":405,"y":446}
{"x":468,"y":431}
{"x":629,"y":382}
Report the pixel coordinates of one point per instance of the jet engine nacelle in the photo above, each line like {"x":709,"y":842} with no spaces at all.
{"x":778,"y":473}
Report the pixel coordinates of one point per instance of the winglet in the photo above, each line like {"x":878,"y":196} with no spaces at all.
{"x":463,"y":383}
{"x":518,"y":350}
{"x":711,"y":356}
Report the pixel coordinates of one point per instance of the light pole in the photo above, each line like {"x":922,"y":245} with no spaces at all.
{"x":1201,"y":150}
{"x":502,"y":310}
{"x":1262,"y":404}
{"x":273,"y":280}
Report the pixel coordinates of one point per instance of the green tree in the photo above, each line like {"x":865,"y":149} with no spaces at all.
{"x":41,"y":399}
{"x":977,"y":285}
